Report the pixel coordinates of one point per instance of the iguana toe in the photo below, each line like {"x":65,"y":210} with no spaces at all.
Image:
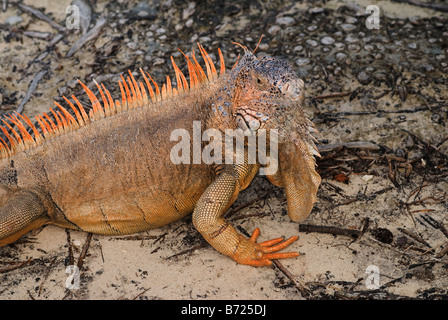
{"x":255,"y":254}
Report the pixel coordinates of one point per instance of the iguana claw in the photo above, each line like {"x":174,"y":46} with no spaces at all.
{"x":255,"y":254}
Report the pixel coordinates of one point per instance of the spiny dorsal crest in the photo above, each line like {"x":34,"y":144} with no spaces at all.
{"x":134,"y":94}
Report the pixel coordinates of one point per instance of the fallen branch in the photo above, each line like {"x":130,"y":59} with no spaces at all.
{"x":304,"y":291}
{"x":31,"y":89}
{"x":15,"y":266}
{"x":332,"y":95}
{"x":199,"y":246}
{"x":85,"y":247}
{"x":331,"y":230}
{"x":92,"y":34}
{"x":433,"y":6}
{"x":38,"y":14}
{"x":349,"y":145}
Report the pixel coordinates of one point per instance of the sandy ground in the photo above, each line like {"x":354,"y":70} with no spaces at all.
{"x":396,"y":84}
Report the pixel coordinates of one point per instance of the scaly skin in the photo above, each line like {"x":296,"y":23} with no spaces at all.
{"x":111,"y":173}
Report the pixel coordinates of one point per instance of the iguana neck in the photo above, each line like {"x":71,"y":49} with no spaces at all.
{"x":219,"y":105}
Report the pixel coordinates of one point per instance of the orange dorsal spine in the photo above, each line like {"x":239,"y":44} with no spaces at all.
{"x":134,"y":94}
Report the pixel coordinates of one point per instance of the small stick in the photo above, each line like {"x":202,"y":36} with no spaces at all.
{"x":15,"y":266}
{"x":433,"y":6}
{"x":381,"y":95}
{"x":85,"y":247}
{"x":443,"y":251}
{"x":138,"y":237}
{"x":31,"y":89}
{"x":441,"y":142}
{"x":144,"y":291}
{"x":304,"y":291}
{"x":70,"y":248}
{"x":199,"y":246}
{"x":92,"y":34}
{"x":349,"y":145}
{"x":47,"y":273}
{"x":332,"y":95}
{"x":331,"y":230}
{"x":38,"y":14}
{"x":414,"y":236}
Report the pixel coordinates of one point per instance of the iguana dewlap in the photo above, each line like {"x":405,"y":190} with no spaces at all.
{"x":110,"y":172}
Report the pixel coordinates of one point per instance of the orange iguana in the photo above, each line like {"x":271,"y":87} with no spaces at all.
{"x":110,"y":172}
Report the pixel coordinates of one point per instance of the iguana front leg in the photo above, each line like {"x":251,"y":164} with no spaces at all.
{"x":22,"y":212}
{"x":208,"y":220}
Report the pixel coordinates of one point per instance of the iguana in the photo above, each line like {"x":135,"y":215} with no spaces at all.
{"x":108,"y":171}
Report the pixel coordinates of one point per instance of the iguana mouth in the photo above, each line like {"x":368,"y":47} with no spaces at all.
{"x":249,"y":119}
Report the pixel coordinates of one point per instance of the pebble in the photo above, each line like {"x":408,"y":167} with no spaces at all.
{"x":302,"y":61}
{"x":194,"y":38}
{"x":401,"y":118}
{"x":77,"y":243}
{"x":311,"y":42}
{"x":204,"y":39}
{"x":339,"y":46}
{"x":263,"y":46}
{"x":379,"y":75}
{"x":316,"y":10}
{"x":363,"y":78}
{"x":131,"y":45}
{"x":158,"y":61}
{"x":143,"y":14}
{"x":435,"y":117}
{"x":62,"y":90}
{"x":189,"y":10}
{"x":189,"y":23}
{"x":298,"y":48}
{"x":13,"y":20}
{"x":380,"y":47}
{"x":327,"y":40}
{"x":347,"y":27}
{"x":340,"y":56}
{"x":285,"y":21}
{"x":351,"y":39}
{"x":354,"y":47}
{"x":367,"y":177}
{"x":428,"y":67}
{"x":274,"y":29}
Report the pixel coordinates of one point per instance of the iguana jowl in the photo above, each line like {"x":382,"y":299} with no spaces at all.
{"x":109,"y":171}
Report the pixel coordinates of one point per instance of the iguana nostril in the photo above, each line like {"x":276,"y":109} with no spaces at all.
{"x":254,"y":124}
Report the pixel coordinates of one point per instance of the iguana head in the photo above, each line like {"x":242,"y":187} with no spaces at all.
{"x":269,"y":95}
